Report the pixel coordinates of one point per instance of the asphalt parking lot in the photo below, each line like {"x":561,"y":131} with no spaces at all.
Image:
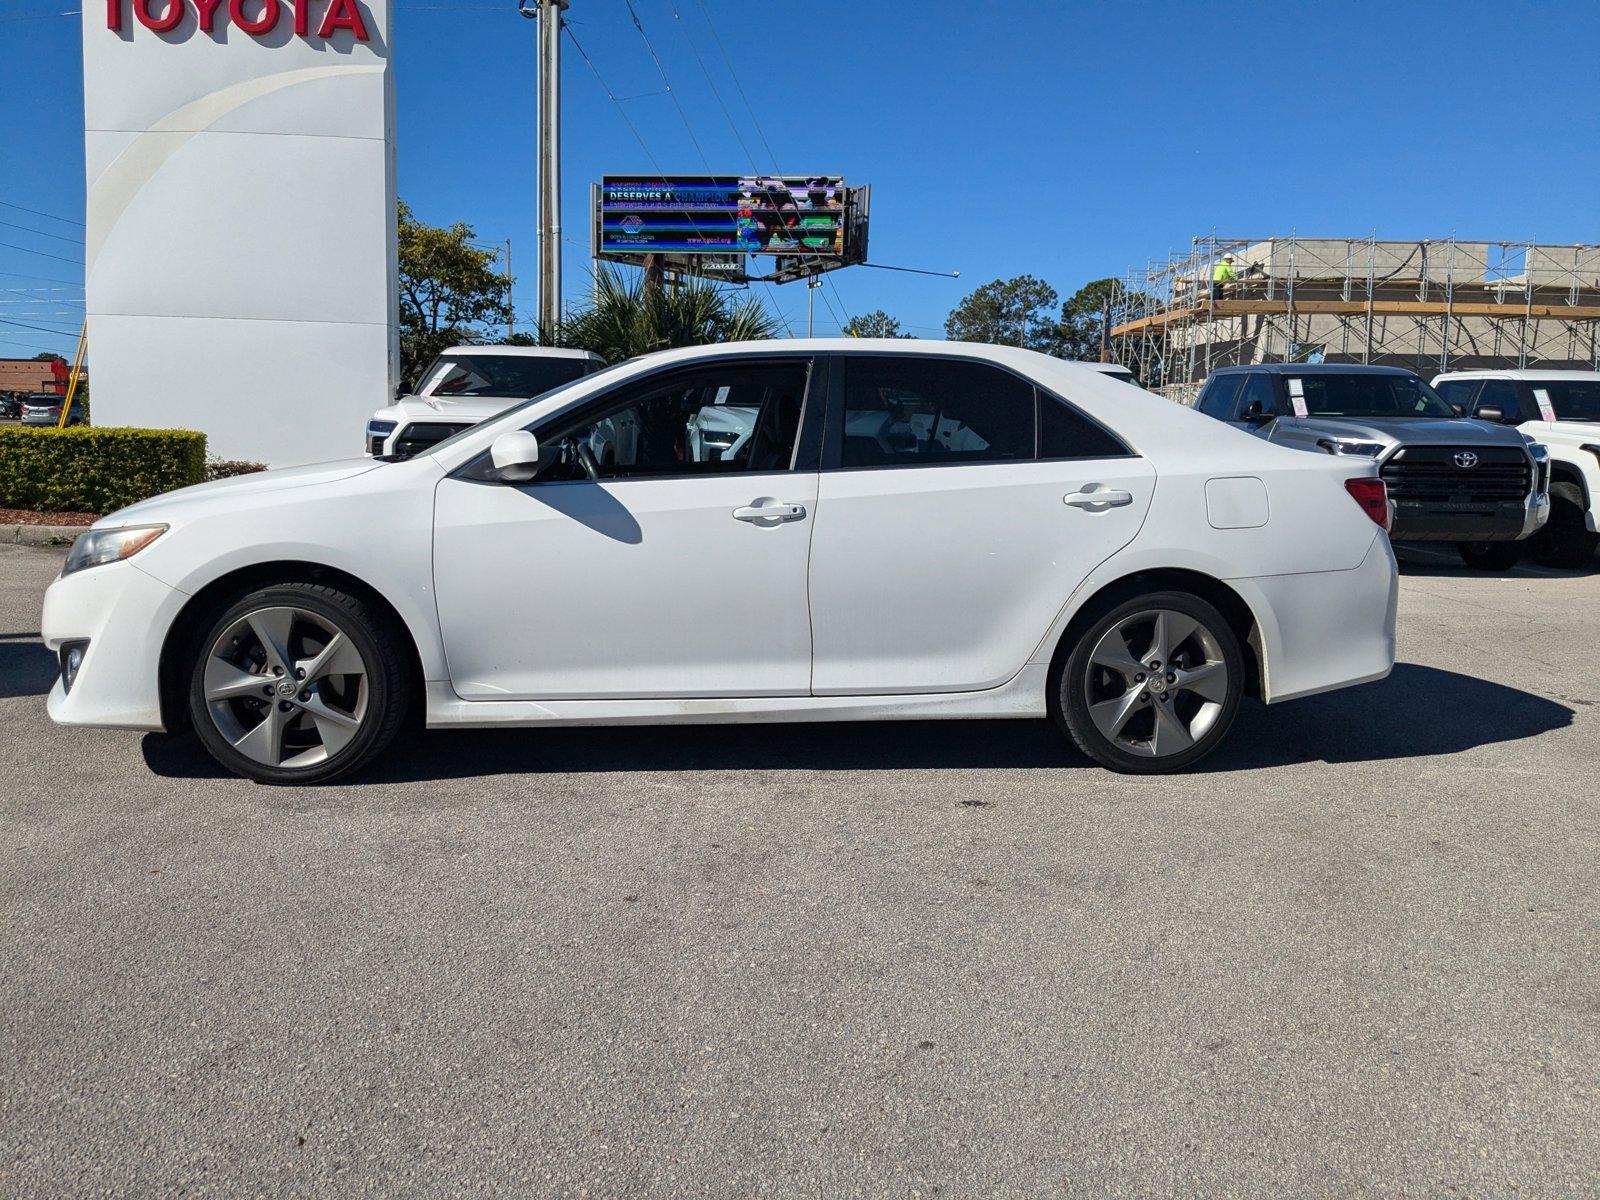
{"x":1358,"y":952}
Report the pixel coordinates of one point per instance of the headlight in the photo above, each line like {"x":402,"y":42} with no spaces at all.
{"x":100,"y":546}
{"x":380,"y":428}
{"x":1341,"y":446}
{"x":1540,"y":452}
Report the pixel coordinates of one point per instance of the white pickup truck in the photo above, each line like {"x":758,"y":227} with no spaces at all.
{"x":1560,"y":410}
{"x":469,"y":384}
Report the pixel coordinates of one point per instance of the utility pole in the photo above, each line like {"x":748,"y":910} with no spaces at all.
{"x":548,"y":13}
{"x":511,"y":310}
{"x":812,"y":284}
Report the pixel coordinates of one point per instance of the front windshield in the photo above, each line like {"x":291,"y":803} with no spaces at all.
{"x":1364,"y":395}
{"x":1573,"y":399}
{"x":516,"y":376}
{"x":600,"y":375}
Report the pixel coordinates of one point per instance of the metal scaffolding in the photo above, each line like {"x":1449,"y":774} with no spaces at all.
{"x":1426,"y":305}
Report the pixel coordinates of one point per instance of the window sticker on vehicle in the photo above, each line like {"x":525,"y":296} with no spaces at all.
{"x":1297,"y":397}
{"x":1547,"y":410}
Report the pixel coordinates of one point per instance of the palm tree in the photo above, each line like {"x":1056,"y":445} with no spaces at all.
{"x":632,"y":316}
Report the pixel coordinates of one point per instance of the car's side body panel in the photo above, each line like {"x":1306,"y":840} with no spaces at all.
{"x":943,"y":578}
{"x":628,"y":588}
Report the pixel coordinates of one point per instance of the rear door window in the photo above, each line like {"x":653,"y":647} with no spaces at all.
{"x":926,"y":411}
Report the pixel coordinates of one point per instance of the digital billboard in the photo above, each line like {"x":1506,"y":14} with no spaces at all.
{"x":723,"y":215}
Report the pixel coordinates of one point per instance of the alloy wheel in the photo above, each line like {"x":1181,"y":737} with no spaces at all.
{"x":286,"y":687}
{"x":1156,"y":682}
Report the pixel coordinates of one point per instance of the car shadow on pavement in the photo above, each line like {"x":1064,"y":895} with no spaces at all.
{"x":26,"y":667}
{"x":1430,"y":565}
{"x":1417,"y":712}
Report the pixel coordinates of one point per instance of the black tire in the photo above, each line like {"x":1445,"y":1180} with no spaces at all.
{"x":1071,"y":699}
{"x":1490,"y":556}
{"x":1565,"y":541}
{"x":387,"y":681}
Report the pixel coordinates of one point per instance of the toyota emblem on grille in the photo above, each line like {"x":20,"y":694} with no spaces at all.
{"x":1465,"y":459}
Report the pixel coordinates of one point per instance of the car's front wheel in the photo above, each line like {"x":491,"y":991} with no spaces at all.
{"x":1490,"y":556}
{"x":1153,"y":684}
{"x":298,"y":683}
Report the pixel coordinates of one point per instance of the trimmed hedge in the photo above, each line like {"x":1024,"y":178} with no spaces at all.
{"x":87,"y":469}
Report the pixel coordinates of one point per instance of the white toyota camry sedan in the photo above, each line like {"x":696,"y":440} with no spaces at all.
{"x":898,"y":530}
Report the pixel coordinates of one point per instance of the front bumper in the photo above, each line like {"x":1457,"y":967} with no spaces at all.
{"x":1433,"y":522}
{"x":123,"y":614}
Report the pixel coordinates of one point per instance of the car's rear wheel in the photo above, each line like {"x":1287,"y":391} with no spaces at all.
{"x":298,"y":683}
{"x":1565,"y":541}
{"x":1490,"y":556}
{"x":1153,"y":684}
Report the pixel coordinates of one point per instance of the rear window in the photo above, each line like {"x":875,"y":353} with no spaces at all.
{"x":513,"y":376}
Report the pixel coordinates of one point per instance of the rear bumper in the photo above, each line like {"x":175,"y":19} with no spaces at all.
{"x":1326,"y":629}
{"x":1508,"y":522}
{"x":123,"y":614}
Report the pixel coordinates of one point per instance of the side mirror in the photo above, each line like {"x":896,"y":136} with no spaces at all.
{"x":515,"y":456}
{"x":1255,"y":414}
{"x":1458,"y":410}
{"x":1490,"y":412}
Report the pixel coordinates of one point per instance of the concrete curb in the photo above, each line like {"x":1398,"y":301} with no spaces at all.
{"x":39,"y":535}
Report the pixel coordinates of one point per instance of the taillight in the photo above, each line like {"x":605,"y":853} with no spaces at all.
{"x":1373,"y":497}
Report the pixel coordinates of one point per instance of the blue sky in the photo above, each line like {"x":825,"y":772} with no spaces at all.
{"x":1065,"y":140}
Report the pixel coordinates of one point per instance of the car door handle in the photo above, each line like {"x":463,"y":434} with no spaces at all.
{"x":770,"y":510}
{"x":1102,"y":498}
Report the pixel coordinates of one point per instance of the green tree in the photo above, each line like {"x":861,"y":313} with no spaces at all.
{"x":449,"y":290}
{"x":629,"y":316}
{"x":875,"y":324}
{"x":1008,"y":312}
{"x":1087,"y":315}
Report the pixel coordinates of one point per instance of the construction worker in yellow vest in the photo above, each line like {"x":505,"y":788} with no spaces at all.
{"x":1222,"y":273}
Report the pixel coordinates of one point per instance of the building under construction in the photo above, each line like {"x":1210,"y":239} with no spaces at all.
{"x":1426,"y":305}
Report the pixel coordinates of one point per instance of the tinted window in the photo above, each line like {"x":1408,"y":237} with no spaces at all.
{"x":917,"y":411}
{"x":1363,"y":395}
{"x":1257,"y":396}
{"x":730,"y":417}
{"x":1064,"y":432}
{"x":1456,"y":391}
{"x":1574,"y":399}
{"x":1216,"y":398}
{"x":517,"y":376}
{"x":1501,"y":394}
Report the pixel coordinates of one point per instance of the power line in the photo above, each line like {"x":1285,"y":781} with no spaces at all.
{"x":729,"y":63}
{"x":75,"y":261}
{"x":35,"y":212}
{"x":35,"y":328}
{"x":38,"y":16}
{"x":661,"y":174}
{"x":704,"y":70}
{"x":60,"y":237}
{"x":667,"y":83}
{"x":41,"y":279}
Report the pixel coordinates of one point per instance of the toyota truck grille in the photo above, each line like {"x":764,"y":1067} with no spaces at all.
{"x":420,"y":435}
{"x":1458,"y":474}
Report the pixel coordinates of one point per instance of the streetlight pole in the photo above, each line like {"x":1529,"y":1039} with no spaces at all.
{"x":548,"y":13}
